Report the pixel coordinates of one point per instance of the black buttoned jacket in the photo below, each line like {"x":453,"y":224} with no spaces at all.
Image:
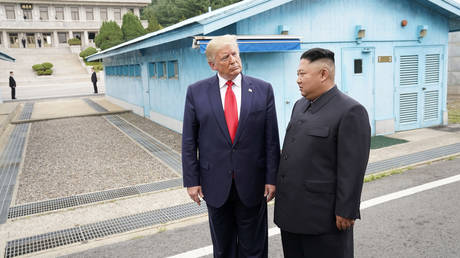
{"x":323,"y":161}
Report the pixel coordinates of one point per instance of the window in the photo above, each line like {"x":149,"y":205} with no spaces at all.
{"x":131,"y":70}
{"x":74,"y":13}
{"x":152,"y":70}
{"x":59,"y":13}
{"x":89,"y":14}
{"x":119,"y":70}
{"x":27,"y":14}
{"x":125,"y":70}
{"x":62,"y":37}
{"x":137,"y":70}
{"x":9,"y":10}
{"x":44,"y":13}
{"x":173,"y":69}
{"x":131,"y":10}
{"x":161,"y":70}
{"x":358,"y":66}
{"x":117,"y":14}
{"x":104,"y":14}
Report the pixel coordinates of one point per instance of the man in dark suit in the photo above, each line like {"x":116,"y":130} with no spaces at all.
{"x":94,"y":80}
{"x":12,"y":86}
{"x":323,"y":161}
{"x":230,"y":151}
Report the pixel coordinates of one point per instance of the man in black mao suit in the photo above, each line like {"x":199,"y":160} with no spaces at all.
{"x":12,"y":85}
{"x":94,"y":80}
{"x":323,"y":161}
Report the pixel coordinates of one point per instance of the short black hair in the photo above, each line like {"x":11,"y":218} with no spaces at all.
{"x":11,"y":72}
{"x":318,"y":53}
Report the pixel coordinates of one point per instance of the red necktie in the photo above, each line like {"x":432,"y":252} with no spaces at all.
{"x":231,"y":110}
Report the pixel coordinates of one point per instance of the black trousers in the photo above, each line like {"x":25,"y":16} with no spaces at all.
{"x":13,"y":92}
{"x":95,"y":87}
{"x":237,"y":230}
{"x":334,"y":245}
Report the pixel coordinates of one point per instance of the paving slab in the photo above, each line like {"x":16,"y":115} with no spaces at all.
{"x":61,"y":108}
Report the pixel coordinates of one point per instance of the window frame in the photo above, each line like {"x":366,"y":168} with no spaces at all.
{"x":117,"y":11}
{"x":42,"y":10}
{"x":11,"y":11}
{"x":77,"y":12}
{"x":101,"y":11}
{"x":89,"y":10}
{"x":59,"y":10}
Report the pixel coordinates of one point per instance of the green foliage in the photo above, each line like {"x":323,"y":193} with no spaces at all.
{"x":43,"y":69}
{"x":110,"y":35}
{"x":169,"y":12}
{"x":45,"y":72}
{"x":131,"y":27}
{"x":37,"y":67}
{"x":98,"y":67}
{"x":47,"y":65}
{"x":153,"y":24}
{"x":74,"y":41}
{"x":87,"y":52}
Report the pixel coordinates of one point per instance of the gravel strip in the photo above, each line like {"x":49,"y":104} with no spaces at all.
{"x":80,"y":155}
{"x":161,"y":133}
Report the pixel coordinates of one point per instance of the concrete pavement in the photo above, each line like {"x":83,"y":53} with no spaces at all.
{"x":418,"y":140}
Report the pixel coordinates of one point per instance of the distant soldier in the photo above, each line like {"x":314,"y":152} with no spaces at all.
{"x":23,"y":40}
{"x":39,"y":41}
{"x":94,"y":80}
{"x":12,"y":86}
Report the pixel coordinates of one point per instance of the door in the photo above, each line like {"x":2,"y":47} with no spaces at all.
{"x":358,"y":78}
{"x":30,"y":40}
{"x":418,"y":87}
{"x":14,"y":41}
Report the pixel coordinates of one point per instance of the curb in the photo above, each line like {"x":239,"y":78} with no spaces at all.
{"x":9,"y":118}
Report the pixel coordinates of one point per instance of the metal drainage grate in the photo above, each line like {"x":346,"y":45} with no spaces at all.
{"x":42,"y":242}
{"x":101,"y":229}
{"x":157,"y":148}
{"x":27,"y":111}
{"x":10,"y":160}
{"x":413,"y":158}
{"x":77,"y":200}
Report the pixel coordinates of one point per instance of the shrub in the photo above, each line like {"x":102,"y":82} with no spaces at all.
{"x":43,"y":69}
{"x":87,"y":52}
{"x":47,"y":65}
{"x":74,"y":41}
{"x":98,"y":67}
{"x":37,"y":67}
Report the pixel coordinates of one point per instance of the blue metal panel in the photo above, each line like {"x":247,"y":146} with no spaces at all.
{"x":262,"y":45}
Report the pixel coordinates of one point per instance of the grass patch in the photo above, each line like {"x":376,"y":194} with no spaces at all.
{"x":376,"y":176}
{"x":381,"y":141}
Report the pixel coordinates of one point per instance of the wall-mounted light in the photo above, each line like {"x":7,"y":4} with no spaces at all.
{"x":360,"y":33}
{"x":283,"y":29}
{"x":403,"y":23}
{"x":422,"y":30}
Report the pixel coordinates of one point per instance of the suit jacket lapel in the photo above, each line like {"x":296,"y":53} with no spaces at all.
{"x":247,"y":95}
{"x":216,"y":105}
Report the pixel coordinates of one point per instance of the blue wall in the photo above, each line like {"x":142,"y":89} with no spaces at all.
{"x":328,"y":24}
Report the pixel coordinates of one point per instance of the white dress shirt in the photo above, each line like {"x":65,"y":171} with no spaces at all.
{"x":236,"y":90}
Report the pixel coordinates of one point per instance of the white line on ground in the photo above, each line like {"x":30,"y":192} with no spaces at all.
{"x":207,"y":250}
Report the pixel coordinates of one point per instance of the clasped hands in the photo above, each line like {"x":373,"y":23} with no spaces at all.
{"x":343,"y":223}
{"x":196,"y":194}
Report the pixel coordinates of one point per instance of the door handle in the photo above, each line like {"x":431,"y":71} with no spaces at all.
{"x":288,"y":102}
{"x":423,"y":88}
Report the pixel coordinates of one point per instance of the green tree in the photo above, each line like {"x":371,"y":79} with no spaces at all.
{"x":131,"y":27}
{"x":153,"y":24}
{"x":110,"y":35}
{"x":169,"y":12}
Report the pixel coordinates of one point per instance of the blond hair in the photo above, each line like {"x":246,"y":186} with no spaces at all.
{"x":217,"y":43}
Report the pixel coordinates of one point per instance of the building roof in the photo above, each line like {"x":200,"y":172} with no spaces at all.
{"x":212,"y":21}
{"x":6,"y":57}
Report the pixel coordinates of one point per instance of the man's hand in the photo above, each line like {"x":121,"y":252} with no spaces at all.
{"x":269,"y":192}
{"x":195,"y":193}
{"x":343,"y":223}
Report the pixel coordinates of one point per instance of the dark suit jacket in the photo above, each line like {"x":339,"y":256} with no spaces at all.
{"x":93,"y":77}
{"x":12,"y":82}
{"x":322,"y":165}
{"x":208,"y":156}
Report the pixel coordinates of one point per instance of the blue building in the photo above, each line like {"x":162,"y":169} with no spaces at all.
{"x":391,"y":55}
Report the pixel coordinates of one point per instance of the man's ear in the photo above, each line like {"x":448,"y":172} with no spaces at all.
{"x":324,"y":74}
{"x":212,"y":65}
